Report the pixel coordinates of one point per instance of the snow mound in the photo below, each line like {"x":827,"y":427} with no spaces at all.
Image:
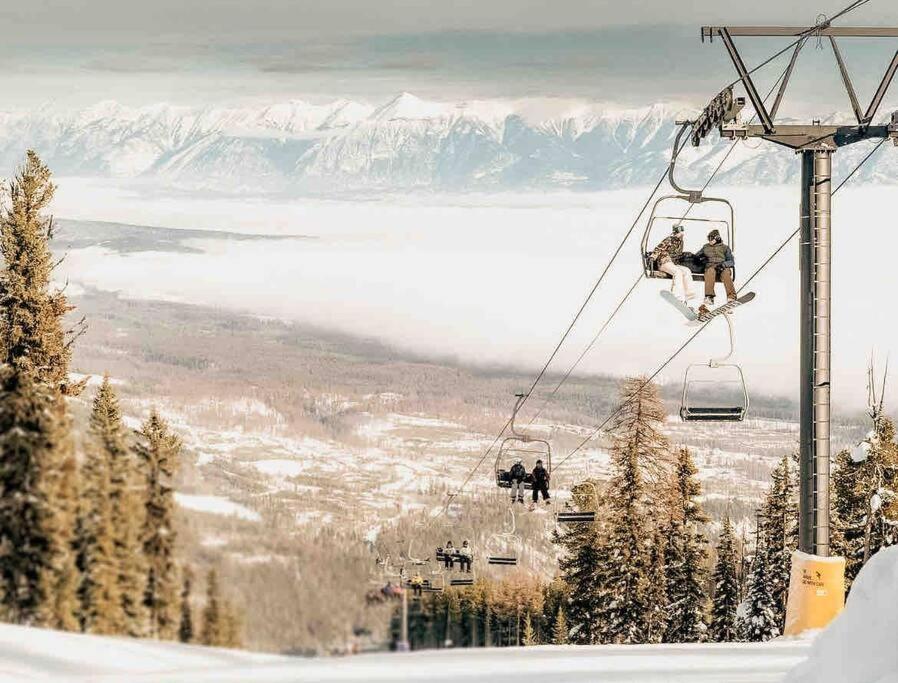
{"x":860,"y":645}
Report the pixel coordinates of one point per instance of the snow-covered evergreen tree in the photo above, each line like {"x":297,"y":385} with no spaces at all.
{"x":622,"y":578}
{"x":126,"y":480}
{"x":781,"y":532}
{"x":657,"y":589}
{"x":38,"y":472}
{"x":726,"y":588}
{"x":185,"y":628}
{"x":560,"y":630}
{"x":687,"y":556}
{"x":865,"y":502}
{"x":159,"y":451}
{"x":758,"y":618}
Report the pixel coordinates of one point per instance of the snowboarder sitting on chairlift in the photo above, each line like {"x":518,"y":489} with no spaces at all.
{"x":449,"y":555}
{"x":465,"y":555}
{"x":518,"y":474}
{"x":417,"y":584}
{"x":540,"y":482}
{"x":665,"y":257}
{"x":719,"y":262}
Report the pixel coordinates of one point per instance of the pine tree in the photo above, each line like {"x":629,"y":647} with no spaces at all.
{"x":560,"y":630}
{"x":781,"y":533}
{"x":579,"y":565}
{"x":185,"y":629}
{"x":687,"y":557}
{"x":213,"y":633}
{"x":38,"y":472}
{"x":657,"y":590}
{"x":726,"y":588}
{"x":231,"y":626}
{"x":758,"y":620}
{"x":529,"y":637}
{"x":637,"y":447}
{"x":865,"y":497}
{"x":101,"y":608}
{"x":159,"y":451}
{"x":126,"y":509}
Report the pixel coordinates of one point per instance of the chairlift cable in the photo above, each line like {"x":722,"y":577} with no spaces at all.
{"x":676,"y":353}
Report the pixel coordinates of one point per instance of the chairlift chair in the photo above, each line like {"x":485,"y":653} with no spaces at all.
{"x":504,"y":548}
{"x":723,"y":373}
{"x":580,"y":516}
{"x":663,"y":215}
{"x":523,"y":446}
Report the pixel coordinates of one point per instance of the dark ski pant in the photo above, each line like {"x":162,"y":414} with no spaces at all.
{"x":464,"y":564}
{"x":726,"y":277}
{"x":540,"y":488}
{"x":448,"y":561}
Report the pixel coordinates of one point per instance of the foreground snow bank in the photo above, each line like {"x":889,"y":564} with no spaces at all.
{"x":861,"y":645}
{"x":28,"y":654}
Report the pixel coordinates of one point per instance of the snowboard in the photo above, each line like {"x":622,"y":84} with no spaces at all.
{"x":690,"y":313}
{"x":726,"y":308}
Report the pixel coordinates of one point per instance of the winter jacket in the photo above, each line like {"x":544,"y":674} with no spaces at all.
{"x":518,"y":472}
{"x":540,"y":476}
{"x":466,"y":551}
{"x":718,"y":255}
{"x":670,"y":247}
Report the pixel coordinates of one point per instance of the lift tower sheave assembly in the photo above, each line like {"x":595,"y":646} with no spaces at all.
{"x":816,"y":589}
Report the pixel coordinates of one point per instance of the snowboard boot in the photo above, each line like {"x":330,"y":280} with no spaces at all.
{"x":706,"y":306}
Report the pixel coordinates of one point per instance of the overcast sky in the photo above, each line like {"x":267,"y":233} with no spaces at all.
{"x":209,"y":51}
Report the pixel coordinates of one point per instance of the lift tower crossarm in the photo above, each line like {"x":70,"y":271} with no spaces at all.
{"x":797,"y":31}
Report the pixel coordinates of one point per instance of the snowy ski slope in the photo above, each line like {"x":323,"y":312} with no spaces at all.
{"x":28,"y":654}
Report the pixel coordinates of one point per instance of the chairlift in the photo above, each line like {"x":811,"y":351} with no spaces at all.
{"x":717,"y":373}
{"x":523,"y":446}
{"x":571,"y":516}
{"x":504,"y":548}
{"x":663,"y":218}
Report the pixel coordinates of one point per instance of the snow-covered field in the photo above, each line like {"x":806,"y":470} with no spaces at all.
{"x":36,"y":655}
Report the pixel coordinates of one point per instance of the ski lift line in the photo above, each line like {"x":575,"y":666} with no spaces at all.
{"x":803,"y":37}
{"x":676,"y":353}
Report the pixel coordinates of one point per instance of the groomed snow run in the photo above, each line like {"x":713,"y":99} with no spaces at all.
{"x":37,"y":655}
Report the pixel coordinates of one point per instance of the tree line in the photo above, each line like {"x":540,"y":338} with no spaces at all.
{"x":644,"y":571}
{"x":87,"y":533}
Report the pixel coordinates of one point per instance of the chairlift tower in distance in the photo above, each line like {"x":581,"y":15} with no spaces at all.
{"x":816,"y":589}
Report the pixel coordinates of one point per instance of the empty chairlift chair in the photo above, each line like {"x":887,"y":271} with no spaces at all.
{"x":523,"y":446}
{"x":715,"y":391}
{"x":581,"y":516}
{"x":505,"y":548}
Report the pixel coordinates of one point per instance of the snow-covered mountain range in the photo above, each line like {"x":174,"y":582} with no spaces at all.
{"x":405,"y":144}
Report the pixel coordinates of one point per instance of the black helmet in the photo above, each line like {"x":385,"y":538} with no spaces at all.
{"x":539,"y":462}
{"x":677,"y":229}
{"x":713,"y":235}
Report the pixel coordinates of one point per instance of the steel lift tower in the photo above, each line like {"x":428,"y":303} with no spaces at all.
{"x":816,"y":144}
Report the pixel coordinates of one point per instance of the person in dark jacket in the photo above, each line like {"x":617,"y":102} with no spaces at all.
{"x":449,"y":555}
{"x":719,"y":262}
{"x":517,"y":473}
{"x":540,"y":482}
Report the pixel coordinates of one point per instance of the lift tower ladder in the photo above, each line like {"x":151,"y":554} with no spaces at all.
{"x":816,"y":144}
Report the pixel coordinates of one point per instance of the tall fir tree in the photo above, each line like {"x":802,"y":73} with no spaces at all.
{"x":865,"y":496}
{"x":185,"y":628}
{"x":726,"y":588}
{"x":529,"y":633}
{"x":781,"y":533}
{"x":657,"y":591}
{"x":637,"y":447}
{"x":213,"y":631}
{"x":126,"y":482}
{"x":758,"y":619}
{"x":38,"y":471}
{"x":687,"y":556}
{"x":582,"y":557}
{"x":159,"y":451}
{"x":101,"y":606}
{"x":560,"y":629}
